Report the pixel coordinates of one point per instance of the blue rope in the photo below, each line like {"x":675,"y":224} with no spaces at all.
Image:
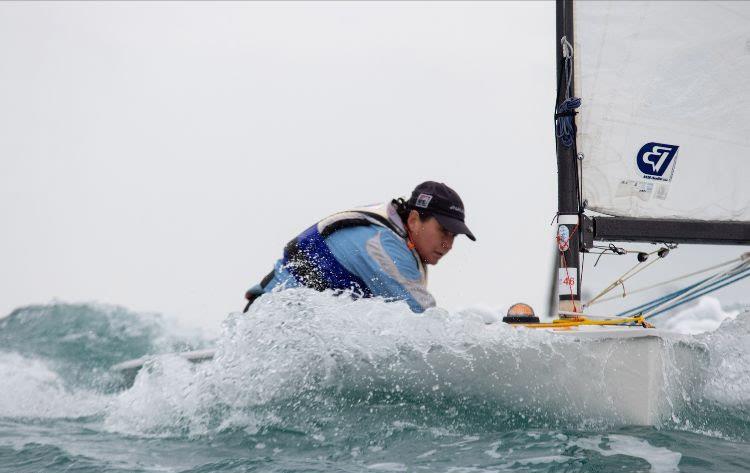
{"x":708,"y":290}
{"x":653,"y":303}
{"x":725,"y":280}
{"x":565,"y":126}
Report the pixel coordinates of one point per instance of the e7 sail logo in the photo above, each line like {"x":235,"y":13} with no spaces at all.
{"x":656,"y":161}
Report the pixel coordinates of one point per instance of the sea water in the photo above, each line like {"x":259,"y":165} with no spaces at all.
{"x":309,"y":381}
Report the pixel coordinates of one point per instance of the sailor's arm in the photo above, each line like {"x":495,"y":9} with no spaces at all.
{"x":384,"y":262}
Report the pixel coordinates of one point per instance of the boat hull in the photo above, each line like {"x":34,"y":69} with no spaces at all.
{"x":613,"y":374}
{"x":640,"y":371}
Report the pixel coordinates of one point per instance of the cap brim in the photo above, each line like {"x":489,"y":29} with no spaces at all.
{"x":454,"y":225}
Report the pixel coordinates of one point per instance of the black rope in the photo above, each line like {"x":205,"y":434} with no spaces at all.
{"x":614,"y":249}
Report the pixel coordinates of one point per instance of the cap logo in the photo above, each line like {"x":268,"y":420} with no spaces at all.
{"x":423,"y":200}
{"x":457,"y":209}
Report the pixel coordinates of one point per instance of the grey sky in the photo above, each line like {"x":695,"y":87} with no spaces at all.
{"x":158,"y":156}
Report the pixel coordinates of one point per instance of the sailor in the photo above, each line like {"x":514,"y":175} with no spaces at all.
{"x":380,"y":250}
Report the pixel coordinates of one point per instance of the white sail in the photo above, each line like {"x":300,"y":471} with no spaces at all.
{"x":664,"y":124}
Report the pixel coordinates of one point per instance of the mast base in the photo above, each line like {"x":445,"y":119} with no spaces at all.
{"x":570,"y":306}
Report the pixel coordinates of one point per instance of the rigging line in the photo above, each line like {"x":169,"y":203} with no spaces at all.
{"x":615,"y":251}
{"x":653,"y":303}
{"x":579,"y":191}
{"x":640,"y":266}
{"x":579,"y":170}
{"x":669,"y":281}
{"x":682,"y":293}
{"x":581,"y":202}
{"x":583,"y":265}
{"x":564,"y":262}
{"x":708,"y":283}
{"x":666,"y":300}
{"x":619,"y":281}
{"x":612,"y":246}
{"x":658,"y":300}
{"x":702,"y":293}
{"x":673,"y":295}
{"x":567,"y":281}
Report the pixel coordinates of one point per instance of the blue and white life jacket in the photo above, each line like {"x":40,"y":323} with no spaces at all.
{"x":309,"y":259}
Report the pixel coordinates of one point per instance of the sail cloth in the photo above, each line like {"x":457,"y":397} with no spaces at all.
{"x":664,"y":124}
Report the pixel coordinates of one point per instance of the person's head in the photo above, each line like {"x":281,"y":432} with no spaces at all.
{"x":433,"y":216}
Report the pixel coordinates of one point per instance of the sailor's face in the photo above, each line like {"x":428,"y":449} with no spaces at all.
{"x":430,"y":239}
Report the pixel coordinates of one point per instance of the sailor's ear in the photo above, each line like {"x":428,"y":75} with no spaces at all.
{"x":413,"y":222}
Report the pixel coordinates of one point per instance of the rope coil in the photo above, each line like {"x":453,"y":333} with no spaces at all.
{"x":565,"y":127}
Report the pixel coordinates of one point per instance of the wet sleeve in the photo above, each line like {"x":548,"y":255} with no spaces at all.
{"x":382,"y":260}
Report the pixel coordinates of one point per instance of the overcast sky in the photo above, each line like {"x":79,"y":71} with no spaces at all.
{"x":159,"y":156}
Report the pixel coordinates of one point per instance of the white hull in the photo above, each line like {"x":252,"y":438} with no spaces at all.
{"x":618,"y":374}
{"x":635,"y":373}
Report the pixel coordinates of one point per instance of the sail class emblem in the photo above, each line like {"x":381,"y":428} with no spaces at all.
{"x":656,"y":161}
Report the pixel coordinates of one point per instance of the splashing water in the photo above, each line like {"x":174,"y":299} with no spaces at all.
{"x":306,"y":381}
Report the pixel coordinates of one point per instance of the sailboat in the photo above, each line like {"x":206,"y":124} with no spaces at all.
{"x":655,"y":150}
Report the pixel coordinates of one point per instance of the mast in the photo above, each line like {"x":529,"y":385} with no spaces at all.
{"x":568,"y":205}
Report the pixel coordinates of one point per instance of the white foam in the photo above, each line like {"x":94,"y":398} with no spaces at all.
{"x":163,"y":400}
{"x":729,"y":381}
{"x":30,"y":388}
{"x":662,"y":460}
{"x":301,"y":341}
{"x":542,"y":460}
{"x":492,"y":452}
{"x":388,"y":467}
{"x":706,"y":316}
{"x":297,"y":340}
{"x":470,"y":469}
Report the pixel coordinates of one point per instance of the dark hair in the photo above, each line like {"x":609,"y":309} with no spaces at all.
{"x":403,"y":209}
